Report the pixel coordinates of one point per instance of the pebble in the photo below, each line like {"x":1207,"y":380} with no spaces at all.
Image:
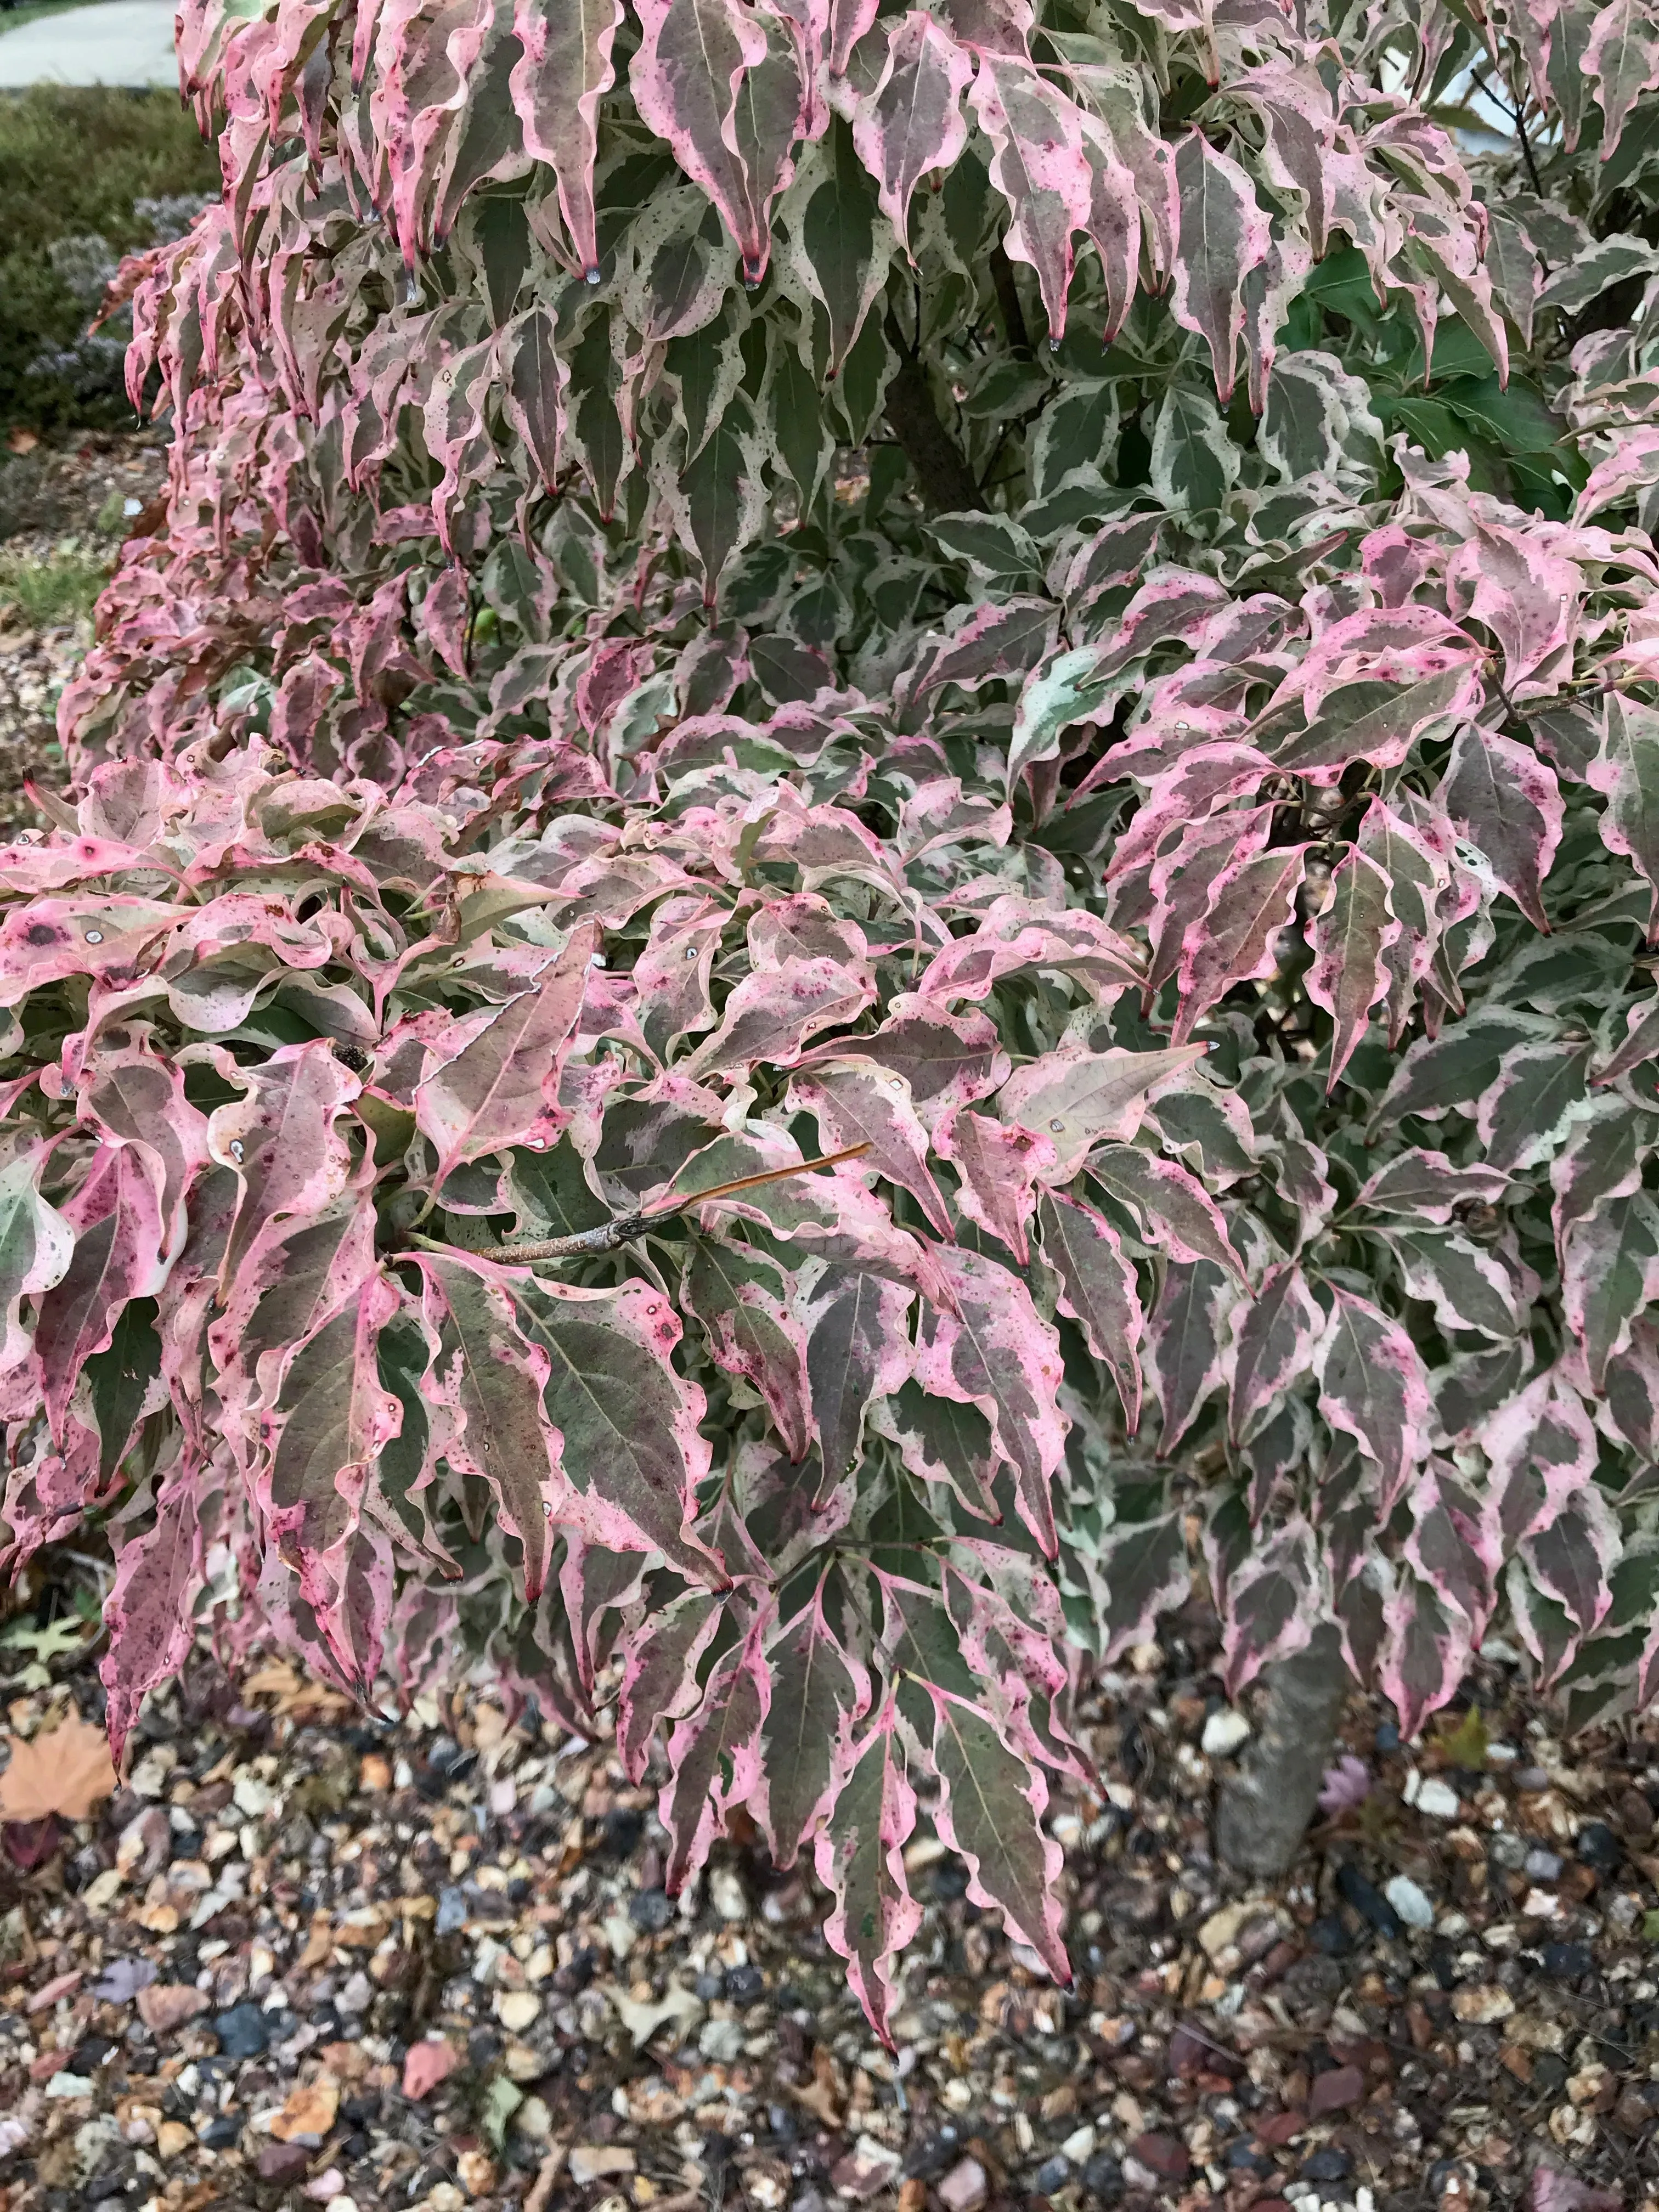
{"x":518,"y":2009}
{"x":1167,"y":2156}
{"x":1438,"y":1799}
{"x":600,"y":2162}
{"x":1409,"y":1902}
{"x":243,"y":2032}
{"x":651,"y":1910}
{"x":1367,"y":1900}
{"x":1566,"y":1962}
{"x":965,"y":2188}
{"x":1054,"y":2173}
{"x":1223,"y":1732}
{"x":1542,"y":1866}
{"x":1329,"y":2163}
{"x":1103,"y":2178}
{"x":1598,"y":1847}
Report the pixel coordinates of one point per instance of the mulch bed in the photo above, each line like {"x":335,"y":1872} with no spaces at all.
{"x":307,"y":1956}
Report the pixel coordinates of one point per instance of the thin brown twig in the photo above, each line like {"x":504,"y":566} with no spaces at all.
{"x":623,"y":1228}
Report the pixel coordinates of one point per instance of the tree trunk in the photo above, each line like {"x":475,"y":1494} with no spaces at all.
{"x":947,"y":482}
{"x":1266,"y":1807}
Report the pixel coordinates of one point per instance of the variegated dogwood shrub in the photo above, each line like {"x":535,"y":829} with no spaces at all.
{"x":1051,"y":606}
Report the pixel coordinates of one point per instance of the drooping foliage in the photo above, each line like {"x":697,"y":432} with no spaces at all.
{"x":1063,"y":596}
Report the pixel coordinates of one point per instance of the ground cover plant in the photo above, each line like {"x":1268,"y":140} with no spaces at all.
{"x":79,"y":167}
{"x":1051,"y":611}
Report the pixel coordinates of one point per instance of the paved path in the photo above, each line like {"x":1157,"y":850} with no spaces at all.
{"x":125,"y":42}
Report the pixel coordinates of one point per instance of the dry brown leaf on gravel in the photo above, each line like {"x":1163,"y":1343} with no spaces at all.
{"x":294,"y":1692}
{"x":66,"y":1772}
{"x":309,"y":2113}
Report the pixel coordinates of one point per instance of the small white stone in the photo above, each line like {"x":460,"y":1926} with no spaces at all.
{"x":1080,"y":2145}
{"x":518,"y":2009}
{"x":727,"y":1895}
{"x":252,"y":1796}
{"x":1438,"y":1799}
{"x":1223,"y":1732}
{"x":68,"y":2085}
{"x":1409,"y":1902}
{"x":598,"y":2162}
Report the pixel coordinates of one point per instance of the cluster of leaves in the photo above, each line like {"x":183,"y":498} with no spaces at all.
{"x":651,"y":676}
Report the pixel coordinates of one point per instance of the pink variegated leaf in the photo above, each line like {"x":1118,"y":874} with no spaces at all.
{"x":1374,"y":1388}
{"x":625,"y":1425}
{"x":563,"y":72}
{"x":501,"y":1087}
{"x":1281,"y":1325}
{"x":1350,"y":937}
{"x":1540,"y":1450}
{"x":860,"y":1858}
{"x":1425,"y":1653}
{"x":998,"y":1168}
{"x":119,"y":1256}
{"x":1238,"y":940}
{"x":725,"y":86}
{"x":659,"y":1663}
{"x":1621,"y":59}
{"x":484,"y":1385}
{"x":1426,"y":1187}
{"x":1272,"y":1603}
{"x":1186,"y":1343}
{"x":751,"y":1333}
{"x":329,"y":1424}
{"x":996,"y":1352}
{"x":990,"y":1811}
{"x":1081,"y":1098}
{"x":819,"y":1693}
{"x":911,"y":120}
{"x":858,"y":1347}
{"x":948,"y":1059}
{"x":943,"y":1441}
{"x":774,"y":1011}
{"x":1142,"y":1568}
{"x":714,"y":1754}
{"x":1609,"y":1274}
{"x":1098,"y":1291}
{"x":1039,"y":165}
{"x":1572,"y":1560}
{"x":1223,"y":234}
{"x":1451,"y":1545}
{"x":1627,"y":772}
{"x":282,"y":1141}
{"x":532,"y":398}
{"x":148,"y":1616}
{"x":1176,"y":1213}
{"x":859,"y":1104}
{"x":1509,"y":804}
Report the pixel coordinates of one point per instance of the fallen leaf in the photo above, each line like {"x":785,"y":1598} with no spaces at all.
{"x":1466,"y":1745}
{"x":168,"y":2005}
{"x":1555,"y":2191}
{"x":294,"y":1692}
{"x":310,"y":2111}
{"x":426,"y":2064}
{"x":67,"y":1771}
{"x":21,"y":441}
{"x":122,"y":1979}
{"x":59,"y":1986}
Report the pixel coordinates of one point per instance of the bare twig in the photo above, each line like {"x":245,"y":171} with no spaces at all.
{"x":624,"y":1228}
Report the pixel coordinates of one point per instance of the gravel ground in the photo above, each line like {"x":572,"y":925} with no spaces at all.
{"x":307,"y":1956}
{"x":80,"y":498}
